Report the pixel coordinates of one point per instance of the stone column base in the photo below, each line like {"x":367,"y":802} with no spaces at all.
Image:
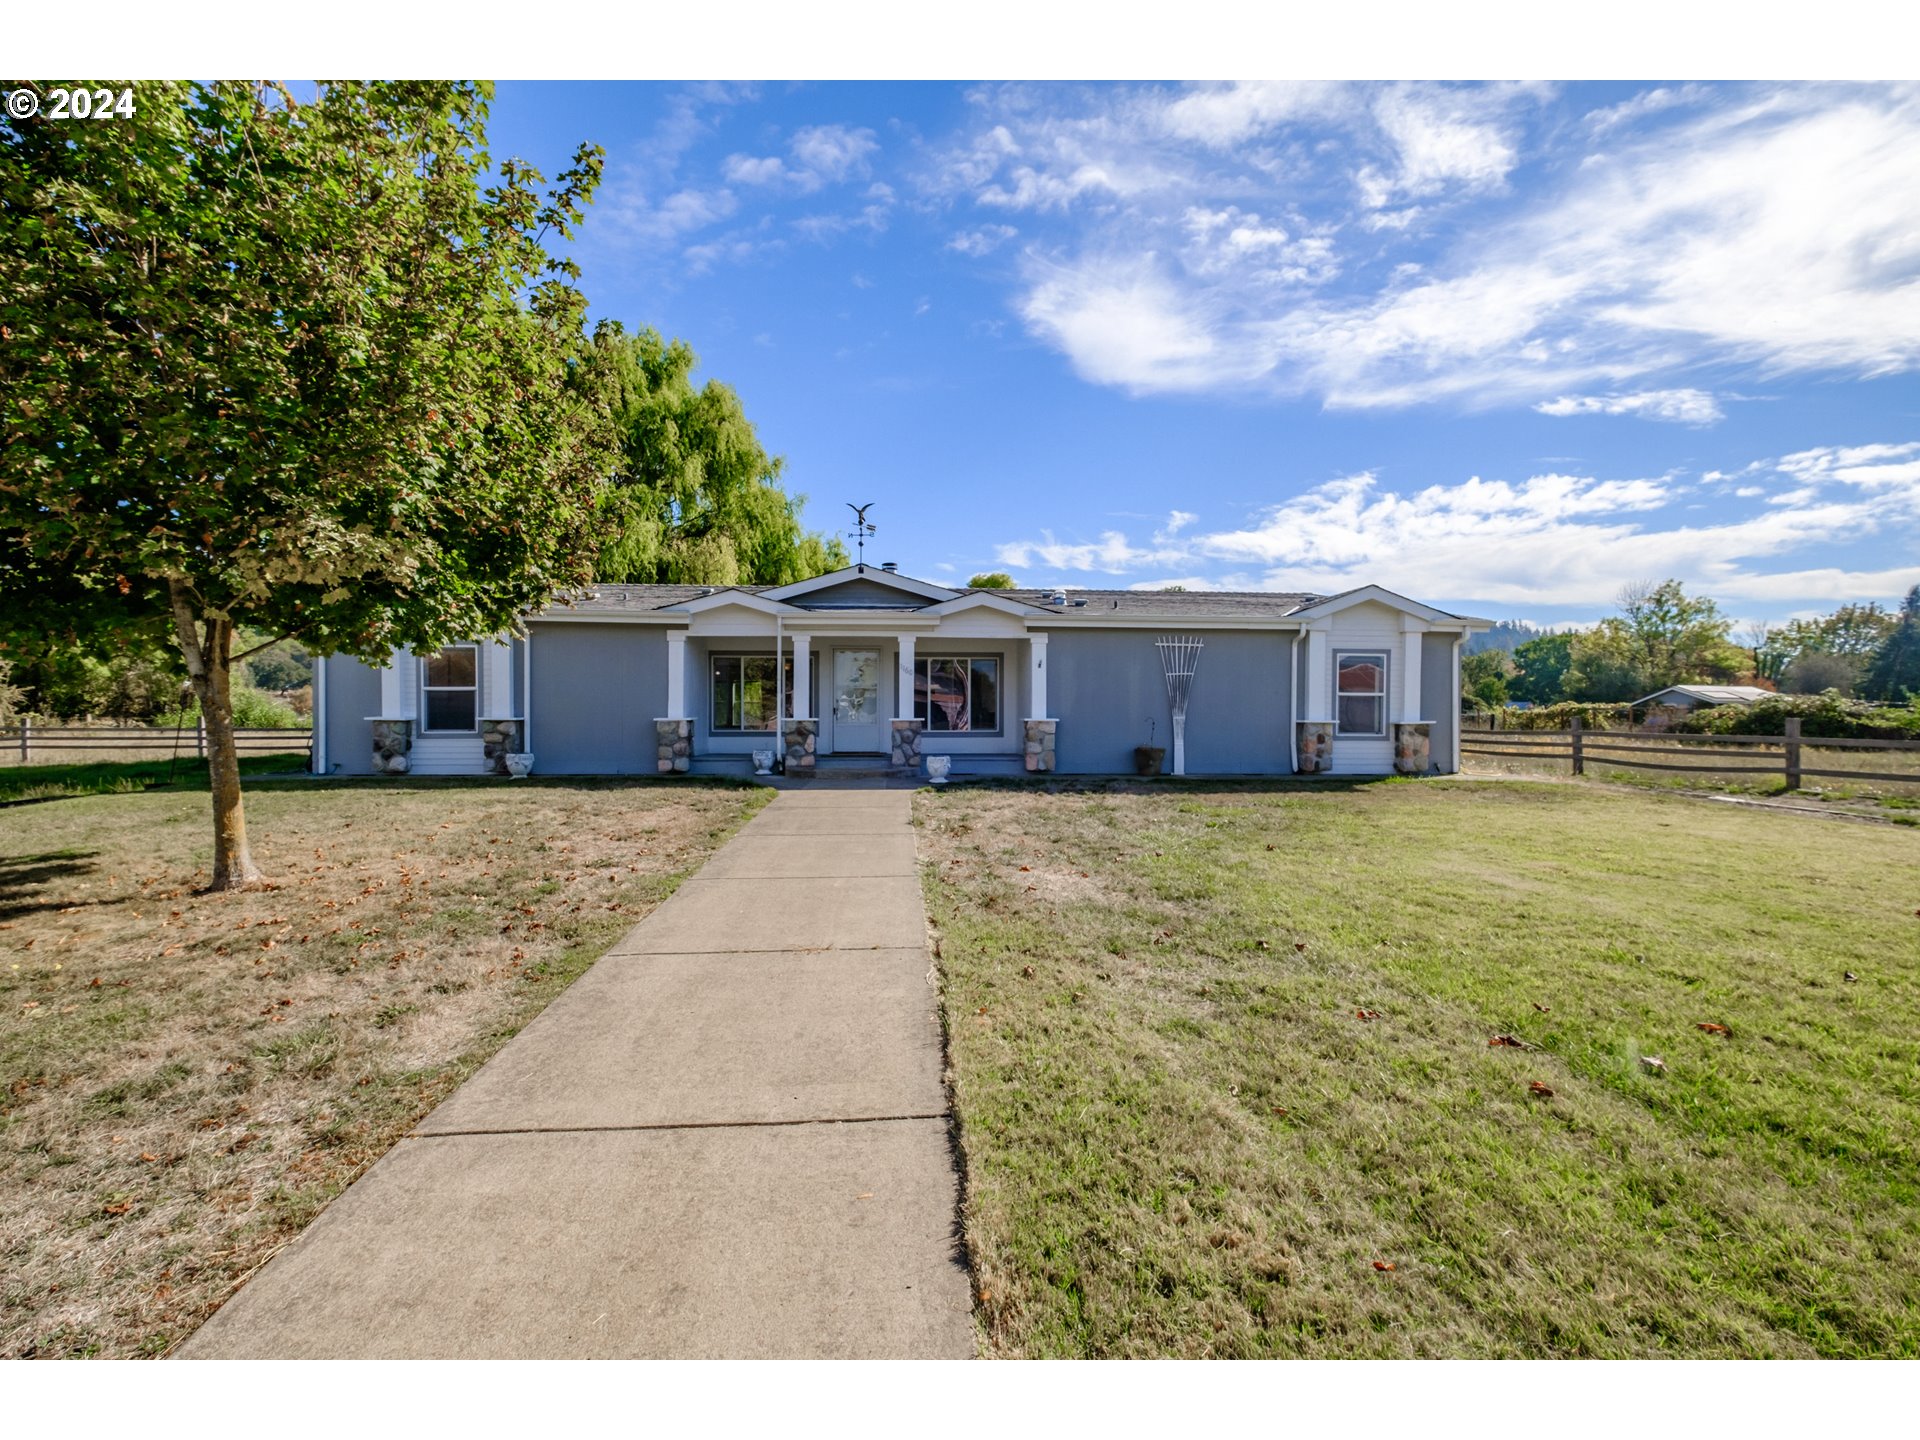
{"x":499,"y":739}
{"x":802,"y":739}
{"x":1040,"y":750}
{"x":1412,"y":749}
{"x":392,"y":741}
{"x":674,"y":745}
{"x":905,"y":754}
{"x":1316,"y":747}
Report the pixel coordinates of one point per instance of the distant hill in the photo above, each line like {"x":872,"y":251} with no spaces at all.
{"x":1504,"y":636}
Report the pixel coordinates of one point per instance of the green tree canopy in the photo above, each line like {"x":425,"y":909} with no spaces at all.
{"x":302,"y":366}
{"x":991,"y":580}
{"x":1484,"y":676}
{"x":695,"y":499}
{"x":1894,"y":673}
{"x":1662,"y":636}
{"x":1542,"y":663}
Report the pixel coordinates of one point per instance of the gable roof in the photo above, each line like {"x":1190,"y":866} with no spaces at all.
{"x":1710,"y":694}
{"x":869,"y":575}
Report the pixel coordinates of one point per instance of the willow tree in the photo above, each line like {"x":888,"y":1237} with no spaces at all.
{"x":303,"y":365}
{"x":696,"y":499}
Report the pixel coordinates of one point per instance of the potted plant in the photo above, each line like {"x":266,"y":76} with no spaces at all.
{"x":1147,"y":757}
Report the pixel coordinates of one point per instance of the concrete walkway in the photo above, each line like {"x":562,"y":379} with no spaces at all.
{"x":728,"y":1138}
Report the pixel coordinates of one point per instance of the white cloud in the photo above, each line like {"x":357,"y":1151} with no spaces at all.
{"x":982,"y":240}
{"x":752,"y":170}
{"x":1775,"y":228}
{"x":680,"y":213}
{"x":831,"y":153}
{"x":1177,"y":520}
{"x":1682,"y":407}
{"x":1550,"y":540}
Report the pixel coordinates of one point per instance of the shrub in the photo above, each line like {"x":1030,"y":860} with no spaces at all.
{"x":1593,"y":715}
{"x":1829,"y":715}
{"x":252,"y":710}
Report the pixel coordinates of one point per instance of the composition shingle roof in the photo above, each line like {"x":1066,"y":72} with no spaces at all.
{"x":1199,"y":604}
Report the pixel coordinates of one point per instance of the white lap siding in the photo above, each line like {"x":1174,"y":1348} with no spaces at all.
{"x":1367,"y":627}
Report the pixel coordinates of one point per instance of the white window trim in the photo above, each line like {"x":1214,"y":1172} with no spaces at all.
{"x":999,"y":681}
{"x":475,"y":689}
{"x":713,"y":684}
{"x":1386,"y":689}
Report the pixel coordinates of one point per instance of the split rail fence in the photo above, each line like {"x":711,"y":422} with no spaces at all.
{"x":1791,"y":757}
{"x":31,"y":744}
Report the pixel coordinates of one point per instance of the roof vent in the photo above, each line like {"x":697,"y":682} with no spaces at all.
{"x":1079,"y":604}
{"x":1059,"y":597}
{"x":892,"y":567}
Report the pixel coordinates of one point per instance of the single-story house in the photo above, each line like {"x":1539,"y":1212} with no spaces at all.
{"x":1692,"y":697}
{"x":867,"y":666}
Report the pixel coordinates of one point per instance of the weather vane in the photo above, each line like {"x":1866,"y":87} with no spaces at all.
{"x":861,"y":529}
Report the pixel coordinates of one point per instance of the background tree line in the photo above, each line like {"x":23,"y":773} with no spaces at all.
{"x":1662,"y":636}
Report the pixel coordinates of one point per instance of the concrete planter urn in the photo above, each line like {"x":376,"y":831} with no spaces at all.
{"x":519,"y":762}
{"x":763,"y":762}
{"x":938,"y":767}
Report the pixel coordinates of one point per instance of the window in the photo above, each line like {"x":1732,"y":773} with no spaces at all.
{"x":958,"y":693}
{"x":743,"y":693}
{"x":450,"y":684}
{"x":1360,"y":693}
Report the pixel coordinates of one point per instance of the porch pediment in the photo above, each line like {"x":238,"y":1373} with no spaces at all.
{"x":861,"y":587}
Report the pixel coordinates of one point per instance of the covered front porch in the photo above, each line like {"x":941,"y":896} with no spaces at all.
{"x":853,"y":694}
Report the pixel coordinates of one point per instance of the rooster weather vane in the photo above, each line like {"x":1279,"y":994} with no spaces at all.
{"x":861,"y":529}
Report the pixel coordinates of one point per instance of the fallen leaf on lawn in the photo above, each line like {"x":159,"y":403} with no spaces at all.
{"x":865,"y":1195}
{"x":1711,"y":1028}
{"x":1513,"y":1040}
{"x":1026,"y":867}
{"x":1366,"y":1014}
{"x":1262,"y":945}
{"x":1278,"y":1109}
{"x":1543,"y":1009}
{"x":148,"y":1156}
{"x":119,"y":1207}
{"x":1654,"y":1064}
{"x":1850,"y":977}
{"x":1383,"y":1265}
{"x":1299,"y":944}
{"x":1027,"y":970}
{"x":1534,"y":1087}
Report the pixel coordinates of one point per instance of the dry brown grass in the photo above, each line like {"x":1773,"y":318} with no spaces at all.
{"x":190,"y":1078}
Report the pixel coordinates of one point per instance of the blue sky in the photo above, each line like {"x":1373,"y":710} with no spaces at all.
{"x":1505,"y":348}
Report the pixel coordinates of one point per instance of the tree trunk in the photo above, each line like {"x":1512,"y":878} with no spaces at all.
{"x":210,"y":667}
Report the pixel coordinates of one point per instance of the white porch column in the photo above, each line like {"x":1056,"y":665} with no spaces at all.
{"x":399,"y":692}
{"x":802,"y":676}
{"x":1411,"y":637}
{"x":676,"y":675}
{"x":1319,"y":706}
{"x":903,"y":683}
{"x":1037,"y":677}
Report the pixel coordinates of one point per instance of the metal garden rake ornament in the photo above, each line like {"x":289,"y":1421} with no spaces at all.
{"x":1179,"y":655}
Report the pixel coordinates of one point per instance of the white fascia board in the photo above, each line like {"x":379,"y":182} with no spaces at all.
{"x":1286,"y":626}
{"x":607,"y":617}
{"x":892,"y":578}
{"x":1379,"y":596}
{"x":983,"y":600}
{"x":730,"y":597}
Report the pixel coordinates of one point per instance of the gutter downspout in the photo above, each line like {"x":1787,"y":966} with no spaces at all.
{"x":780,"y":694}
{"x":320,"y":714}
{"x":1293,"y":704}
{"x":1458,"y":641}
{"x":526,"y":691}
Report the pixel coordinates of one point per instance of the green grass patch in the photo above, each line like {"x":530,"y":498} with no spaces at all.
{"x":61,"y":782}
{"x":1222,"y":1054}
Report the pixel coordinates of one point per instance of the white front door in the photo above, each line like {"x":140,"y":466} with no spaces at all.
{"x":856,"y":702}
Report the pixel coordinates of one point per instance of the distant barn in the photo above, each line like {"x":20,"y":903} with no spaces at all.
{"x":1677,"y":700}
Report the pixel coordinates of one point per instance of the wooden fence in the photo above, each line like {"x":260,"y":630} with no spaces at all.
{"x":1785,"y":756}
{"x":31,"y":744}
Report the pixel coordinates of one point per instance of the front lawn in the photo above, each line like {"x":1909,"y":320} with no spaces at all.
{"x":126,"y":777}
{"x":1221,"y":1059}
{"x":189,"y":1078}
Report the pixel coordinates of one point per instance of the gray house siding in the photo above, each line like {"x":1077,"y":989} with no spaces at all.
{"x":860,"y":595}
{"x":597,"y":689}
{"x":1104,"y":687}
{"x":1439,"y":701}
{"x":353,"y":693}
